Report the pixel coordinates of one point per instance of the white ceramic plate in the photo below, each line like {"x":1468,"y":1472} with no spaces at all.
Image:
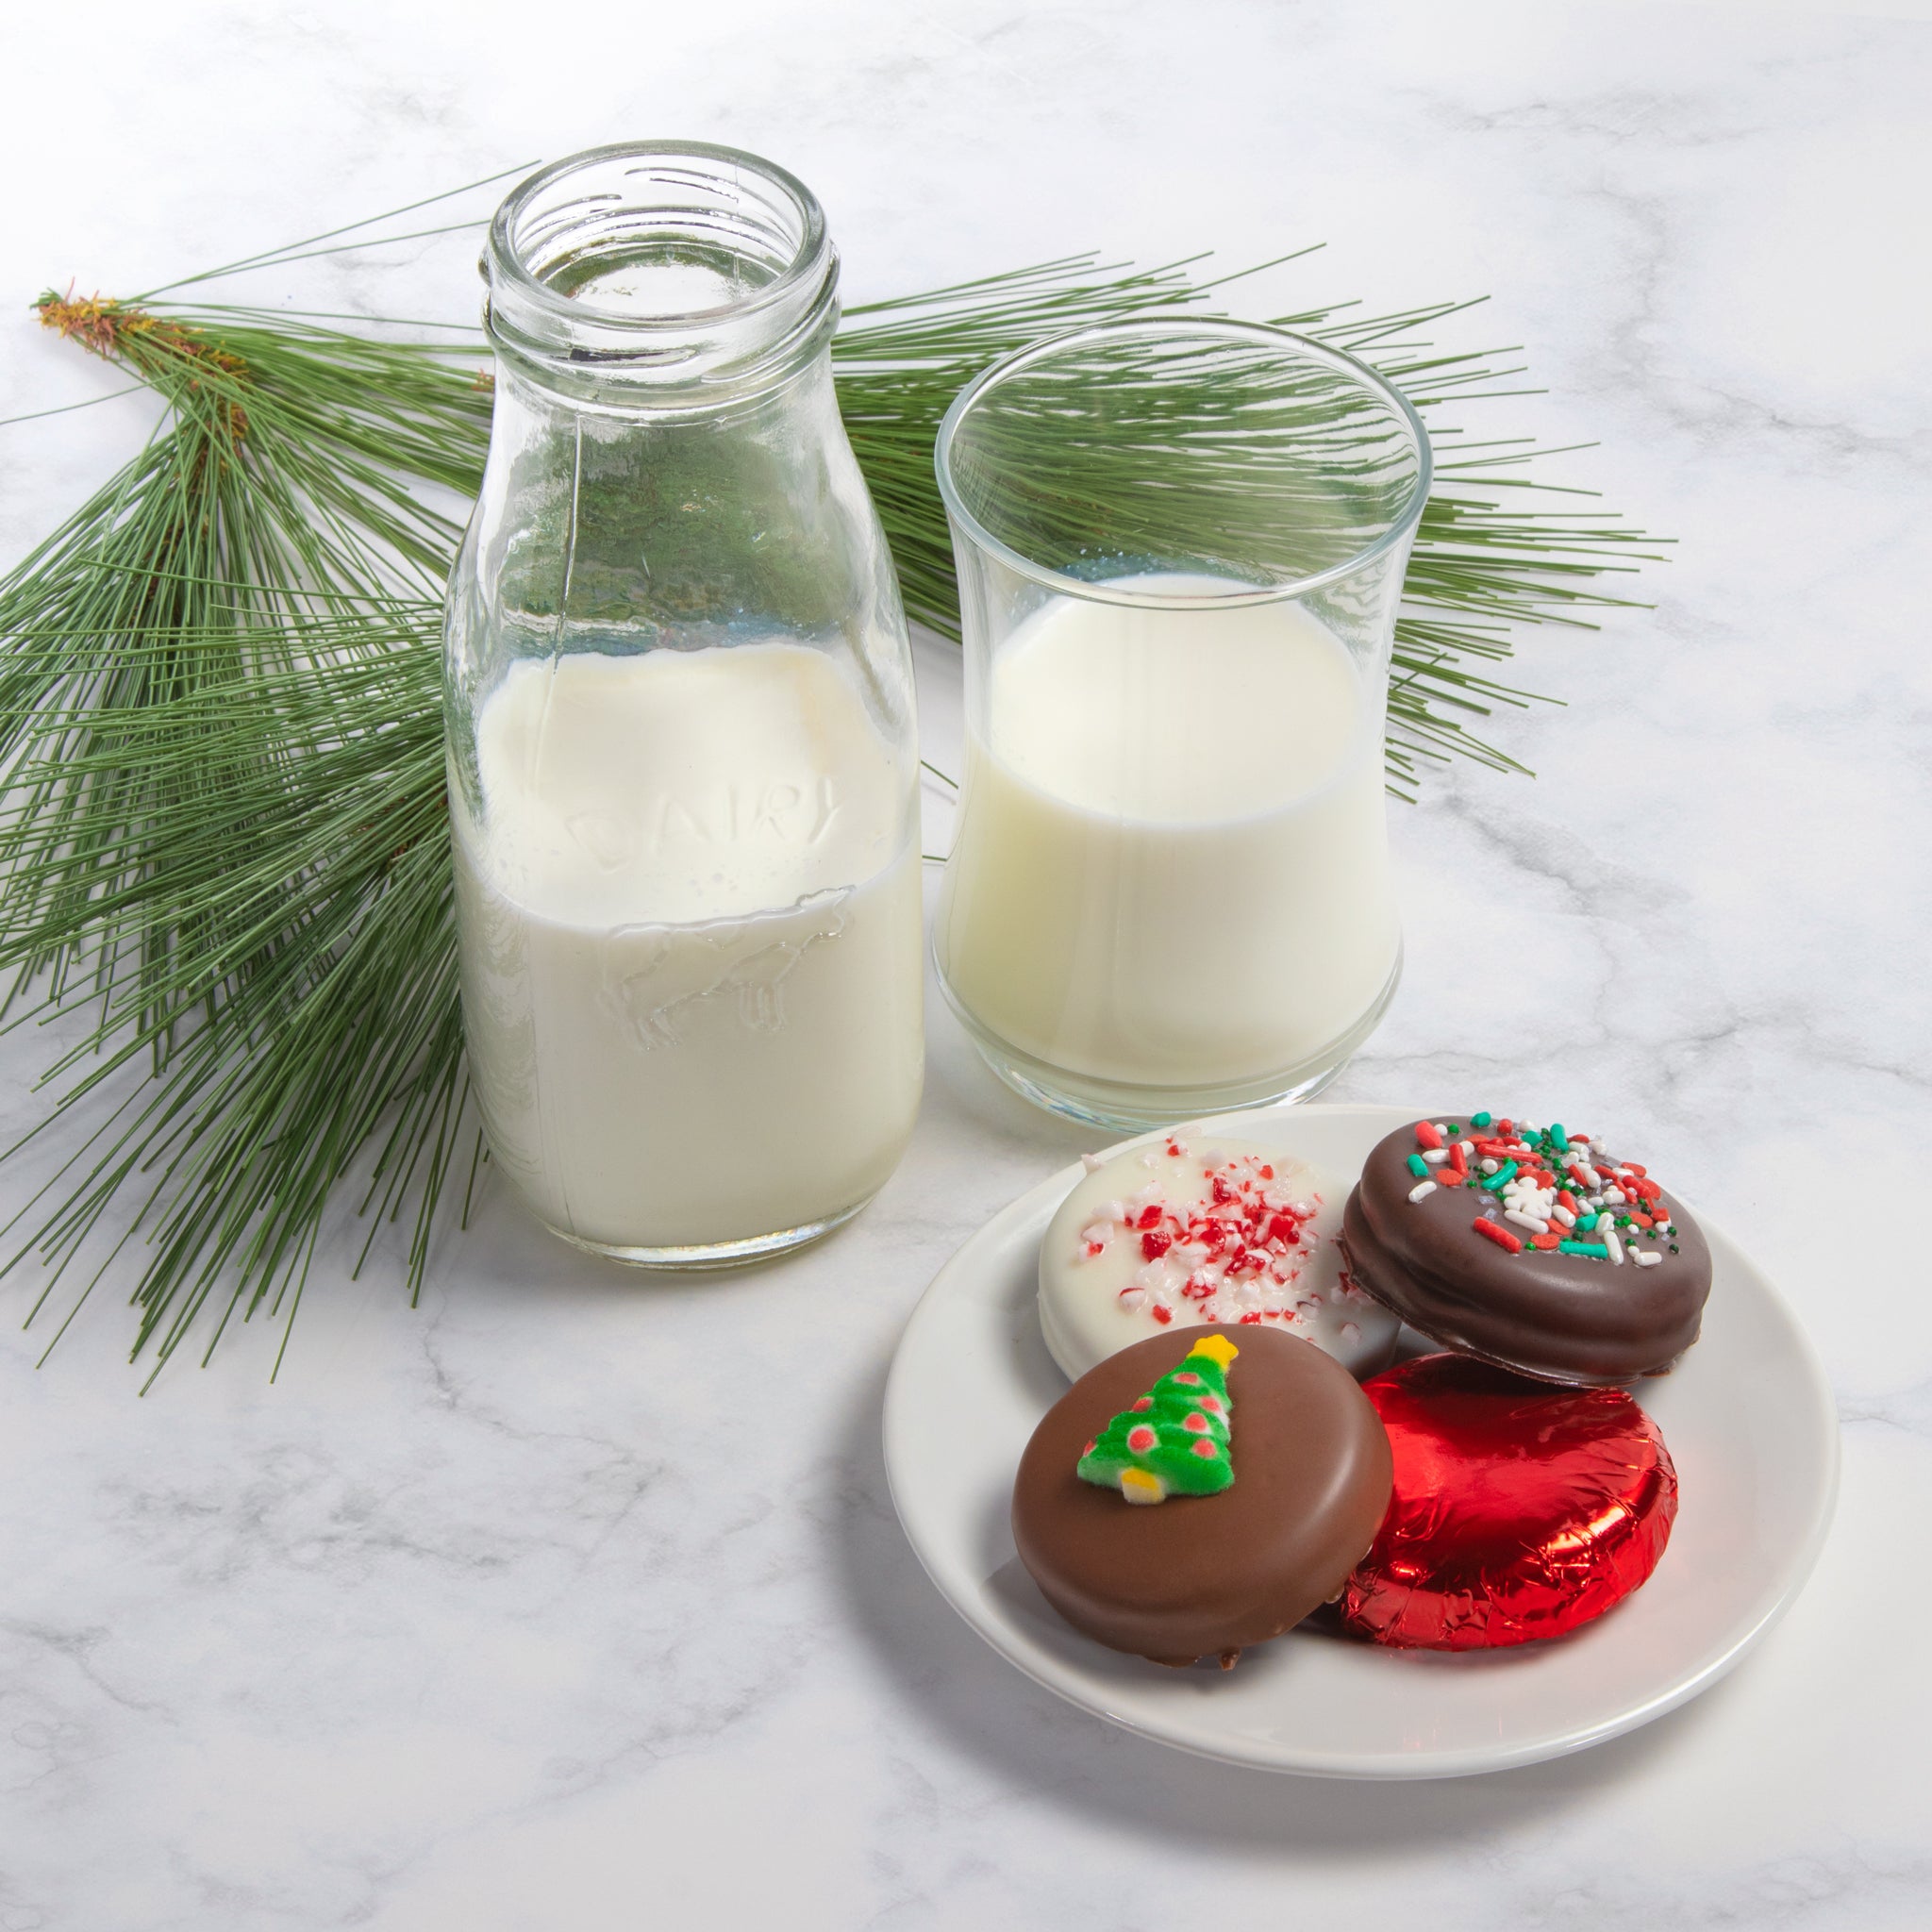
{"x":1750,"y":1422}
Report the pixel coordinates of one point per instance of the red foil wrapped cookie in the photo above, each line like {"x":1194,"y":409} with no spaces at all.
{"x":1520,"y":1511}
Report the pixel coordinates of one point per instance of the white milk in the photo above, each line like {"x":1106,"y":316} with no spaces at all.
{"x":692,"y":976}
{"x":1171,"y":864}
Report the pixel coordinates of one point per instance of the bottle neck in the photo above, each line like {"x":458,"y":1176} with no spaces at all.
{"x":660,"y":279}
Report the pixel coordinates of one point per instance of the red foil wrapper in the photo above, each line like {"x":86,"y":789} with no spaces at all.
{"x":1521,"y":1510}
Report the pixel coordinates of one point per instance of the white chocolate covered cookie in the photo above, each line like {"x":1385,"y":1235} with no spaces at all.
{"x":1183,"y":1231}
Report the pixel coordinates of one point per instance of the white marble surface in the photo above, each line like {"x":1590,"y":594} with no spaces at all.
{"x":576,"y":1600}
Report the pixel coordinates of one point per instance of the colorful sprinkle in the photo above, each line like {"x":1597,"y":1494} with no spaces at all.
{"x":1557,"y":1186}
{"x":1501,"y":1236}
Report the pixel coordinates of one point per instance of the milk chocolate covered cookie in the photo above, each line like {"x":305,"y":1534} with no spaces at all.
{"x":1200,"y":1493}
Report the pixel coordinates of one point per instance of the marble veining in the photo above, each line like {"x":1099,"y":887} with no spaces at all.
{"x":571,"y":1599}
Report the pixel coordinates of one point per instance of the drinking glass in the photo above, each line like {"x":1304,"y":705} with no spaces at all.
{"x":1180,"y":546}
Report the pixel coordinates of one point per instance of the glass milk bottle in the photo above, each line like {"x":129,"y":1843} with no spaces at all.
{"x":1180,"y":546}
{"x":682,"y":763}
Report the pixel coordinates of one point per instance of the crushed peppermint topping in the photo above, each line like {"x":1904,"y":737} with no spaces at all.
{"x":1235,"y":1256}
{"x":1561,"y":1190}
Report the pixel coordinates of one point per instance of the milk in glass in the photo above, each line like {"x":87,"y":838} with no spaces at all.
{"x":1172,"y":866}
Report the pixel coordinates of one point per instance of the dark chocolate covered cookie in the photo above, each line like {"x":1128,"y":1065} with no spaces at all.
{"x":1532,"y":1247}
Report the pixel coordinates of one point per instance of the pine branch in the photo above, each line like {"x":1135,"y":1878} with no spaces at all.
{"x":222,"y":829}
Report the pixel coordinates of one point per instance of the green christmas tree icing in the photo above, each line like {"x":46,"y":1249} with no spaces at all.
{"x":1175,"y":1440}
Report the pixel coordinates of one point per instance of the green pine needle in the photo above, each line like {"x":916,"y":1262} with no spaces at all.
{"x":222,"y":828}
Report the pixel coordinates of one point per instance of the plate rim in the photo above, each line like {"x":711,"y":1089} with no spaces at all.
{"x":1471,"y":1761}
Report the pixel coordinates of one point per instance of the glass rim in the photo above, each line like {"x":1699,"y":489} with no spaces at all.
{"x":810,"y":256}
{"x":1158,"y":322}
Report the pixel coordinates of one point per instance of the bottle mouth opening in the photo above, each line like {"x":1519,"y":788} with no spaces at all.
{"x":661,"y":254}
